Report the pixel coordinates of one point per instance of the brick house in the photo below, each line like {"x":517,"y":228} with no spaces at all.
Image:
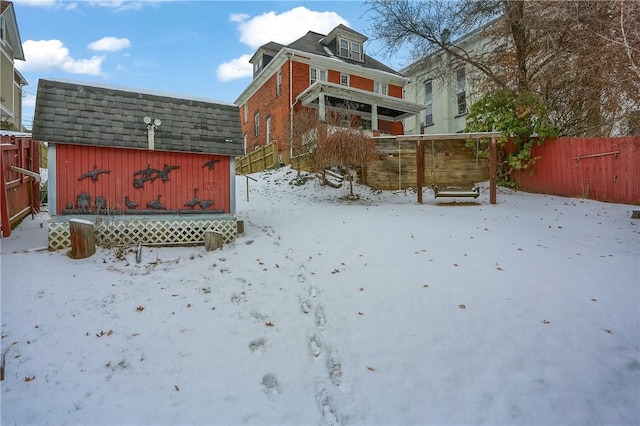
{"x":323,"y":72}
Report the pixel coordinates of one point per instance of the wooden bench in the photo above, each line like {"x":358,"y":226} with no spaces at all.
{"x":475,"y":193}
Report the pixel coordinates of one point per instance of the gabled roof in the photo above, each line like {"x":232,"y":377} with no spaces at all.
{"x":318,"y":44}
{"x":345,"y":31}
{"x":13,"y":35}
{"x":79,"y":113}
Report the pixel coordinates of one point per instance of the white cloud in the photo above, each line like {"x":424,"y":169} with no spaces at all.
{"x":37,"y":3}
{"x":44,"y":55}
{"x":110,"y":44}
{"x":285,"y":27}
{"x":238,"y":17}
{"x":234,"y":69}
{"x":282,"y":28}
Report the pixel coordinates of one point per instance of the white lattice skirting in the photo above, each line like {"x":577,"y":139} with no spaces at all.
{"x":167,"y":230}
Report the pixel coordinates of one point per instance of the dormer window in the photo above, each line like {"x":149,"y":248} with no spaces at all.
{"x":350,"y":49}
{"x":257,"y":66}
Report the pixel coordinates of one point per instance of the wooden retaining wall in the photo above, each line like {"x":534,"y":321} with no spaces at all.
{"x":448,"y":163}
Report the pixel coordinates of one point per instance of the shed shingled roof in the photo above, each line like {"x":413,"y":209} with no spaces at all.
{"x":78,"y":113}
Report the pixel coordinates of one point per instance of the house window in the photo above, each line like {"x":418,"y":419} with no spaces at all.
{"x":279,"y":83}
{"x":367,"y":124}
{"x":317,"y":74}
{"x":356,"y":51}
{"x":344,"y":48}
{"x":380,"y":88}
{"x":461,"y":91}
{"x":246,"y":113}
{"x":268,"y":130}
{"x":246,"y":140}
{"x":257,"y":66}
{"x":350,"y":49}
{"x":428,"y":101}
{"x":256,"y":124}
{"x":344,"y":79}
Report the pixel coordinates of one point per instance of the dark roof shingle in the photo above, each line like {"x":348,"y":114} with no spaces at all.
{"x":78,"y":113}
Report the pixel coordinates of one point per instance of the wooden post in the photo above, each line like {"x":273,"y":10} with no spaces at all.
{"x":212,"y":240}
{"x":420,"y":169}
{"x":83,"y":238}
{"x":493,"y":168}
{"x":240,"y":224}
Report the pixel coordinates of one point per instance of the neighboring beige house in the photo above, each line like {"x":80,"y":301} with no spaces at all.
{"x":445,"y":86}
{"x":11,"y":81}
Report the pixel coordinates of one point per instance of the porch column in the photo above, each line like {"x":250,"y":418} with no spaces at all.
{"x":374,"y":117}
{"x":321,"y":107}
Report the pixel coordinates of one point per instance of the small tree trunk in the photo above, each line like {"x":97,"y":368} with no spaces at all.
{"x":212,"y":240}
{"x":83,"y":238}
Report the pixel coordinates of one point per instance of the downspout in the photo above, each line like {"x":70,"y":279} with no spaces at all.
{"x":291,"y":103}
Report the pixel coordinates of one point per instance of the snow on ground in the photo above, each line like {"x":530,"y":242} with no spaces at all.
{"x":326,"y":311}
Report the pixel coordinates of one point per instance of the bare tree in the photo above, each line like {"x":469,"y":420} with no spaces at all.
{"x":347,"y":149}
{"x":303,"y":137}
{"x":579,"y":57}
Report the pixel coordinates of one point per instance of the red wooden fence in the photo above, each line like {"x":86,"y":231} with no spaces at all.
{"x":603,"y":169}
{"x":19,"y":193}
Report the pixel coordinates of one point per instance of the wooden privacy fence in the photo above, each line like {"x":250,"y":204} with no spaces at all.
{"x":603,"y":169}
{"x":258,"y":160}
{"x":19,"y":180}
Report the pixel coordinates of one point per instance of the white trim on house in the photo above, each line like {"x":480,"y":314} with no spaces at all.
{"x":316,"y":61}
{"x":321,"y":89}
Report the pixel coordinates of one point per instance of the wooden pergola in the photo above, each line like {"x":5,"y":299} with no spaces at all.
{"x":420,"y":139}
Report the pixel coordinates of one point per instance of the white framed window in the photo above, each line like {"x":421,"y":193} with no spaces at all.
{"x":246,"y":113}
{"x":344,"y":48}
{"x":268,"y":130}
{"x":317,"y":74}
{"x":461,"y":96}
{"x":256,"y":124}
{"x":246,"y":140}
{"x":428,"y":101}
{"x":350,"y":49}
{"x":344,"y":79}
{"x":380,"y":88}
{"x":258,"y":65}
{"x":356,"y":51}
{"x":279,"y":83}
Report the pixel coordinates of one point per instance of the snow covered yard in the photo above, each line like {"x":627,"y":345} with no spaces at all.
{"x":380,"y":311}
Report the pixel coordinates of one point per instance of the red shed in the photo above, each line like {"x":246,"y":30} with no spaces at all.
{"x":145,"y":167}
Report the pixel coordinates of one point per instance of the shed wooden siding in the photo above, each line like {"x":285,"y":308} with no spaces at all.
{"x":74,"y":160}
{"x":604,"y":169}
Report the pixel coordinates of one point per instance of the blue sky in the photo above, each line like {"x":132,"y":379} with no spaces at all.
{"x":194,"y":48}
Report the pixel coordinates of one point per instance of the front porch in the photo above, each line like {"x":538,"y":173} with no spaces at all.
{"x":371,"y":106}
